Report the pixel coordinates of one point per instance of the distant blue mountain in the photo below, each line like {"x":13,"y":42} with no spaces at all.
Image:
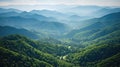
{"x":32,"y":21}
{"x":7,"y":30}
{"x":9,"y":14}
{"x":105,"y":11}
{"x":91,"y":11}
{"x":49,"y":13}
{"x":9,"y":10}
{"x":27,"y":15}
{"x":98,"y":27}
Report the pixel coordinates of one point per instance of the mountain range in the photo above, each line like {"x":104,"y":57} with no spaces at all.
{"x":69,"y":38}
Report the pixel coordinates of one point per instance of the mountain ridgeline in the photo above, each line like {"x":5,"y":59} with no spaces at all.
{"x":47,"y":38}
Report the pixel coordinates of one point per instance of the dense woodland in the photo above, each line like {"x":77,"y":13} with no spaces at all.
{"x":30,"y":39}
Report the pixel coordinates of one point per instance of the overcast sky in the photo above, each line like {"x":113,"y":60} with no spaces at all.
{"x":57,"y":2}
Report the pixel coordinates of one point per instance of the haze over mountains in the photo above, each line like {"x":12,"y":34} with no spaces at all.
{"x":77,"y":36}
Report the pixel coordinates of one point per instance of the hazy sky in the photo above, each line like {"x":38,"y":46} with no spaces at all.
{"x":56,"y":2}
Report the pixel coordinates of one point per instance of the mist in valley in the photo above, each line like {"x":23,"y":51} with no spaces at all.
{"x":59,"y":33}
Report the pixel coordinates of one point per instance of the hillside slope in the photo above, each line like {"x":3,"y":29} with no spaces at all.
{"x":19,"y":45}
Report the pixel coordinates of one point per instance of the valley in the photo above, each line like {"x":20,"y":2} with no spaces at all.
{"x":74,"y":37}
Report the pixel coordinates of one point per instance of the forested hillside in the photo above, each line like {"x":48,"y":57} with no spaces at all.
{"x":24,"y":51}
{"x":46,"y":38}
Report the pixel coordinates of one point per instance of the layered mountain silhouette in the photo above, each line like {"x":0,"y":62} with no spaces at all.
{"x":72,"y":37}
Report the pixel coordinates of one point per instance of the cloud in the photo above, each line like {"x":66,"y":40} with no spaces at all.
{"x":6,"y":0}
{"x":56,"y":2}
